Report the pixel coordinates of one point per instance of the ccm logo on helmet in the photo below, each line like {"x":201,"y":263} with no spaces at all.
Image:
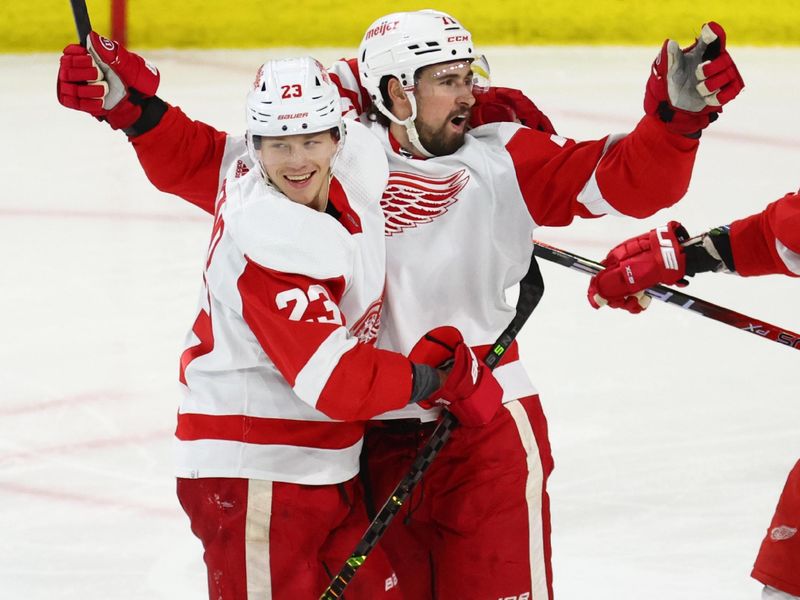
{"x":292,"y":116}
{"x":381,"y":29}
{"x":667,"y":251}
{"x":458,"y":38}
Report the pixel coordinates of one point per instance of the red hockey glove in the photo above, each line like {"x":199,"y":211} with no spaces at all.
{"x":498,"y":105}
{"x":637,"y":264}
{"x":688,"y":87}
{"x":105,"y":80}
{"x":470,"y":391}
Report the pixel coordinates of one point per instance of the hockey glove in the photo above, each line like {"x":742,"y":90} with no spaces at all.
{"x":637,"y":264}
{"x":114,"y":85}
{"x":498,"y":104}
{"x":688,"y":87}
{"x":470,"y":391}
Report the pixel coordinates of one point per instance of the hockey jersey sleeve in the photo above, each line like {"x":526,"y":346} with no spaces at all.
{"x":355,"y":99}
{"x":297,"y":322}
{"x":769,"y":242}
{"x":634,"y":175}
{"x":185,"y":157}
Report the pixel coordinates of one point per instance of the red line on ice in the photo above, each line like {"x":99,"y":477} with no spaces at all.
{"x":100,"y":443}
{"x":69,"y":401}
{"x":64,"y":496}
{"x":48,"y":213}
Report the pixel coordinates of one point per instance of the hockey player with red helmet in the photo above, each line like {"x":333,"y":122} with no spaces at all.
{"x":766,"y":243}
{"x":460,"y":211}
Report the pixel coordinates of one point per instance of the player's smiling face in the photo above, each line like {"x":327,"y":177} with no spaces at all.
{"x":299,"y":166}
{"x":444,"y":101}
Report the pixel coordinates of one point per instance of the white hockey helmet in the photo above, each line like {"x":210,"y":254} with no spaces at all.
{"x":292,"y":96}
{"x":399,"y":44}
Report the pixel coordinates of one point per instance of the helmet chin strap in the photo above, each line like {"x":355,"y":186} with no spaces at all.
{"x":411,"y":128}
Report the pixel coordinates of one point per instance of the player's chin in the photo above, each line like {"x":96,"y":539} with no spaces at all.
{"x":453,"y":142}
{"x":445,"y":142}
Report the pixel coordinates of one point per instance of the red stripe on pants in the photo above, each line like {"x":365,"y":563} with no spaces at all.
{"x":465,"y":532}
{"x":311,"y":532}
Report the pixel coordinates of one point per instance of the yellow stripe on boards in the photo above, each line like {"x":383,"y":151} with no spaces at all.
{"x":46,"y":25}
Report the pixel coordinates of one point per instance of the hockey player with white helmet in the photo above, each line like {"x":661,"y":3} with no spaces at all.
{"x":396,"y":47}
{"x":460,"y":211}
{"x":272,"y":420}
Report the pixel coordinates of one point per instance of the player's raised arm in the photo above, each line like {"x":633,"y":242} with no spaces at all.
{"x":635,"y":174}
{"x":179,"y":156}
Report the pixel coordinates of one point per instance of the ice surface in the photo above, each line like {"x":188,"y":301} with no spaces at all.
{"x":672,"y":434}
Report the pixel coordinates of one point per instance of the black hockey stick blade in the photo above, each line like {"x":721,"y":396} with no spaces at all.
{"x":676,"y":297}
{"x":82,"y":22}
{"x":531,"y":289}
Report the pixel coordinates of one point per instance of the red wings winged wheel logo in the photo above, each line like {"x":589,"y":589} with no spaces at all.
{"x":411,"y":200}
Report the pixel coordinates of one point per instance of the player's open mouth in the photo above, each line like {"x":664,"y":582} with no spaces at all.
{"x":459,"y":121}
{"x":299,"y":180}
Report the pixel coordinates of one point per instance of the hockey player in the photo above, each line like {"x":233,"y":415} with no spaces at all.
{"x":762,"y":244}
{"x":460,"y":210}
{"x":280,"y":368}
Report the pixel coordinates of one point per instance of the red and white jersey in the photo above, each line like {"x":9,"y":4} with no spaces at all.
{"x":769,"y":242}
{"x":459,"y":227}
{"x":280,"y":368}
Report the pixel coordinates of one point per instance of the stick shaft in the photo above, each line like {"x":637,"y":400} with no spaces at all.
{"x":530,"y":293}
{"x":672,"y":296}
{"x":82,"y":23}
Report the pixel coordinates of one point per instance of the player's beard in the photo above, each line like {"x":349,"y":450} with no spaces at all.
{"x":442,"y":141}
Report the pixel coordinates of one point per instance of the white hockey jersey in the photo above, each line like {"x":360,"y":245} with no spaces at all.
{"x":283,"y":344}
{"x":459,"y":227}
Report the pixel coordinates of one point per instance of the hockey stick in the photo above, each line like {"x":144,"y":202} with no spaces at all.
{"x":673,"y":296}
{"x":82,"y":23}
{"x":531,"y":289}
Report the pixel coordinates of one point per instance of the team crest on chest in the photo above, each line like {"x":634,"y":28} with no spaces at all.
{"x":367,"y":327}
{"x":411,"y":200}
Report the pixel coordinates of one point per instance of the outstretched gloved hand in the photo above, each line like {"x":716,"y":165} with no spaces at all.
{"x":107,"y":81}
{"x":688,"y":87}
{"x":637,"y":264}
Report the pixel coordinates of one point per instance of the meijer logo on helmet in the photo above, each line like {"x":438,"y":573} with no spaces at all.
{"x":381,"y":29}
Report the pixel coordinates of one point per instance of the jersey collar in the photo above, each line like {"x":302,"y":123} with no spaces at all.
{"x":398,"y":149}
{"x":341,"y":209}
